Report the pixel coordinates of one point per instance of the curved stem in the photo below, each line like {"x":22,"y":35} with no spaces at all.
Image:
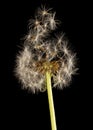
{"x":50,"y":99}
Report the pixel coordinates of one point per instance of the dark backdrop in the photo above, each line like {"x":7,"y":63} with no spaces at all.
{"x":22,"y":109}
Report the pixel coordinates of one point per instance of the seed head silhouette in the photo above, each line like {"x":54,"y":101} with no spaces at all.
{"x":42,"y":53}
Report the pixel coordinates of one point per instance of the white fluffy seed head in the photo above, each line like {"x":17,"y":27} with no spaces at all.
{"x":40,"y":54}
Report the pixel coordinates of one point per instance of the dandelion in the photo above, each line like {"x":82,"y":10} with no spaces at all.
{"x":42,"y":59}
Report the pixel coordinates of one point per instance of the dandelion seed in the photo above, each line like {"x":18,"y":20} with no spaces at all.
{"x":52,"y":21}
{"x":43,"y":11}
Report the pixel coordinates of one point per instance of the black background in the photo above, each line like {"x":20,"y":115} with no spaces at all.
{"x":22,"y":109}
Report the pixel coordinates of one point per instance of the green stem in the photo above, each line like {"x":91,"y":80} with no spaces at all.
{"x":50,"y":99}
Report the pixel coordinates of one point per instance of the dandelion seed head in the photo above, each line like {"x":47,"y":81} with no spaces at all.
{"x":40,"y":55}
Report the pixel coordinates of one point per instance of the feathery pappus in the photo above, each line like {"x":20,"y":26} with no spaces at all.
{"x":41,"y":54}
